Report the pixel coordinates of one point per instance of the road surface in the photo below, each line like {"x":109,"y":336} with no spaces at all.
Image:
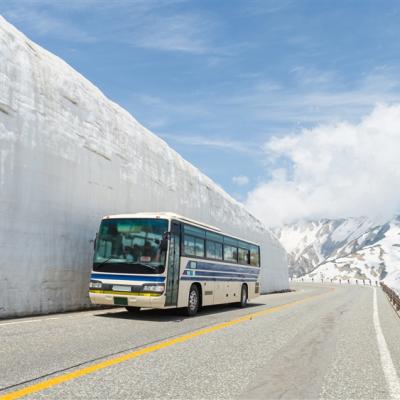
{"x":319,"y":341}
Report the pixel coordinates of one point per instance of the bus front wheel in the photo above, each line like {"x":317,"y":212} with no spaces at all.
{"x":244,"y":296}
{"x":193,"y":301}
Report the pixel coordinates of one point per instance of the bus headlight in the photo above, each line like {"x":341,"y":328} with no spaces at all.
{"x":153,"y":288}
{"x":95,"y":285}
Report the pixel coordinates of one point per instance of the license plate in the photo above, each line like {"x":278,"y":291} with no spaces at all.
{"x":118,"y":288}
{"x":121,"y":301}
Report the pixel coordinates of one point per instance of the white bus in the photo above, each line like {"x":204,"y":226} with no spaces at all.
{"x":163,"y":260}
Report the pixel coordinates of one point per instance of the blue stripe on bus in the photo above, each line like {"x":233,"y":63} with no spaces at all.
{"x":222,"y":271}
{"x":218,"y":273}
{"x":143,"y":278}
{"x":222,"y":267}
{"x":199,"y":279}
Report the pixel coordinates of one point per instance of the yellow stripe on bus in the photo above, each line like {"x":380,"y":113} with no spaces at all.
{"x":124,"y":293}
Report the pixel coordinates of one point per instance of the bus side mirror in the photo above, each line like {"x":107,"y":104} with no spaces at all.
{"x":95,"y":242}
{"x":164,"y":241}
{"x":164,"y":245}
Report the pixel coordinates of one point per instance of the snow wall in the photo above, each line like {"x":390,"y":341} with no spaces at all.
{"x":69,"y":156}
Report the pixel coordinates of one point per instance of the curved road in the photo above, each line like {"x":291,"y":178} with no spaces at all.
{"x":320,"y":341}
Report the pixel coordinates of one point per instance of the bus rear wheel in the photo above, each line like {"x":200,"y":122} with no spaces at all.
{"x":132,"y":310}
{"x":244,"y":296}
{"x":193,"y":301}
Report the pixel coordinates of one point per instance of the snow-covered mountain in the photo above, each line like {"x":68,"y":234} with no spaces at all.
{"x":356,"y":248}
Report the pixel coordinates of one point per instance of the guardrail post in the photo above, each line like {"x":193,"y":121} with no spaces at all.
{"x":340,"y":281}
{"x":348,"y":281}
{"x":356,"y":281}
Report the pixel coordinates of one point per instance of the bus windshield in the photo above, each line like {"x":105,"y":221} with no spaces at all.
{"x":130,"y":246}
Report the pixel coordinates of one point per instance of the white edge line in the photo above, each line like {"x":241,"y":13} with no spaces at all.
{"x":78,"y":315}
{"x":28,"y":321}
{"x":388,"y":368}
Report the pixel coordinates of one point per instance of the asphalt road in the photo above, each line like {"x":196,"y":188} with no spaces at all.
{"x":320,"y":341}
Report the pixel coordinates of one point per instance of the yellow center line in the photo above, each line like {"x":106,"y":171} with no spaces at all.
{"x":162,"y":345}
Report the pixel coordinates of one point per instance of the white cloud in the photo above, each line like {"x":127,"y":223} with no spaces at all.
{"x":240,"y":180}
{"x":318,"y":97}
{"x":43,"y":23}
{"x":333,"y":171}
{"x":185,"y":33}
{"x":150,"y":24}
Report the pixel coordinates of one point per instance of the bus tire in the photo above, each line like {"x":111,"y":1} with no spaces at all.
{"x":132,"y":310}
{"x":193,"y":301}
{"x":244,"y":296}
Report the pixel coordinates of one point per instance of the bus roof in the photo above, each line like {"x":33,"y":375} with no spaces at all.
{"x":167,"y":215}
{"x":171,"y":215}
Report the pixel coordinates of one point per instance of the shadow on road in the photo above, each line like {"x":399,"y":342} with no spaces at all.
{"x":173,"y":314}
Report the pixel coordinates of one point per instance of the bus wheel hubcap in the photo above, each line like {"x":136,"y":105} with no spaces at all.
{"x":193,"y":300}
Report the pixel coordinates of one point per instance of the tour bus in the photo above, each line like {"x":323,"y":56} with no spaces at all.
{"x":164,"y":260}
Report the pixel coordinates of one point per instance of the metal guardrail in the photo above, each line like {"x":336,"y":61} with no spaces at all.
{"x":394,"y":298}
{"x":365,"y":282}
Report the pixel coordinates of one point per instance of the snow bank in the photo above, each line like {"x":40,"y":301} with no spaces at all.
{"x":68,"y":156}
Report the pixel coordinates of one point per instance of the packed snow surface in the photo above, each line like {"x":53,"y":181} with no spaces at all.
{"x":69,"y":156}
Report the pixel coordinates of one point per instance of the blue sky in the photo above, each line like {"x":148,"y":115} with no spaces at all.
{"x":220,"y":80}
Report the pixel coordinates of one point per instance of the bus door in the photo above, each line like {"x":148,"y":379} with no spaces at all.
{"x":173,"y":266}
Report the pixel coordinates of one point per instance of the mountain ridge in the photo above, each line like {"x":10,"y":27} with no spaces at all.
{"x":345,"y":248}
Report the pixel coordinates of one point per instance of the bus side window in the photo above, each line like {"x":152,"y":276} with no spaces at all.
{"x":213,"y":250}
{"x":189,"y":245}
{"x":244,"y":256}
{"x":230,"y":253}
{"x":254,"y":256}
{"x":199,"y":247}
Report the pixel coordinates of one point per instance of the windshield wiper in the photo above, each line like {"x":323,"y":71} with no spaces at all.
{"x":152,"y":267}
{"x":103,"y":262}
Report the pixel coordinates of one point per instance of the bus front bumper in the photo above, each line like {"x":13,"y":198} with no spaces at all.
{"x":145,"y":300}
